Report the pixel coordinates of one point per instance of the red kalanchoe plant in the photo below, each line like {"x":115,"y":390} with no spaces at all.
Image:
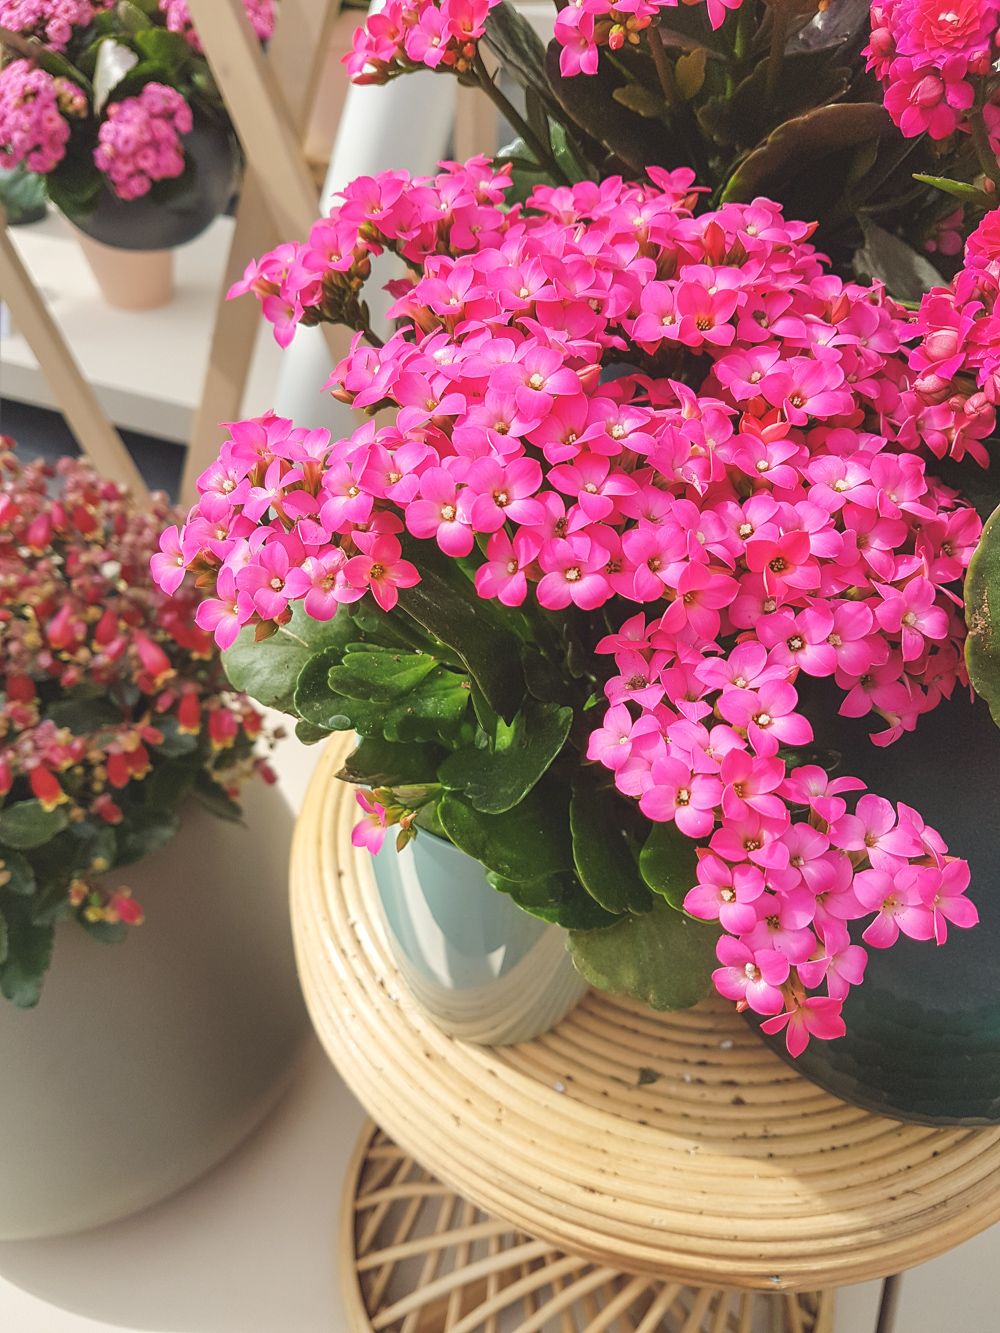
{"x":114,"y":708}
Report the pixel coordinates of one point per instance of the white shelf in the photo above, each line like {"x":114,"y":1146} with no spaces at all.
{"x":147,"y":367}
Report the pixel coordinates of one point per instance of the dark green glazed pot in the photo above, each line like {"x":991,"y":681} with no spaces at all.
{"x":923,"y":1031}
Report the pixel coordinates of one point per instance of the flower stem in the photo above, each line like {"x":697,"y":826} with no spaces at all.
{"x":776,"y":58}
{"x":663,"y":71}
{"x":981,"y":143}
{"x":542,"y":154}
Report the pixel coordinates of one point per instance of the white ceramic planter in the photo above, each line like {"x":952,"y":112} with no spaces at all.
{"x":147,"y":1062}
{"x":484,"y":970}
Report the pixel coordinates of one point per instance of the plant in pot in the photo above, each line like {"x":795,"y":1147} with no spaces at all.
{"x":115,"y":106}
{"x":671,"y":519}
{"x":151,"y":1049}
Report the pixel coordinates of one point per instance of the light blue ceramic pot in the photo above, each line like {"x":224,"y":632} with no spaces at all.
{"x":483,"y":969}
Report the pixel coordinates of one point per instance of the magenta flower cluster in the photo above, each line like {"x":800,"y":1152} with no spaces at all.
{"x":33,"y":110}
{"x":408,"y":33}
{"x":928,"y":54}
{"x":960,"y":325}
{"x":139,"y":141}
{"x":774,"y":520}
{"x":52,"y":21}
{"x":259,"y":12}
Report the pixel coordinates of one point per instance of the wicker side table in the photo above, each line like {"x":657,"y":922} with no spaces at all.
{"x":674,"y":1145}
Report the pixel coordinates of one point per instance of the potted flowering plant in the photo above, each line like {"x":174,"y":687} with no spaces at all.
{"x":115,"y":106}
{"x":661,"y":563}
{"x":118,"y":729}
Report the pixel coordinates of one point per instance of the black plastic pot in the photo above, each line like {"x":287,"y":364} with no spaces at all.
{"x":923,"y":1030}
{"x":148,"y":224}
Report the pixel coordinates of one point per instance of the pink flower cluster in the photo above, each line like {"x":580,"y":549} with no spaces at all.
{"x":583,"y":26}
{"x":928,"y":54}
{"x":33,"y":110}
{"x":52,"y":21}
{"x":406,"y":34}
{"x":956,"y":364}
{"x":259,"y":12}
{"x":140,"y":139}
{"x":773,"y":517}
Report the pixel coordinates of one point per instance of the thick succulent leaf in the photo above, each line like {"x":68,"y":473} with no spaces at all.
{"x":957,"y":189}
{"x":560,"y":898}
{"x":17,"y":868}
{"x":602,"y":825}
{"x":446,"y":604}
{"x":803,"y":143}
{"x":309,"y":733}
{"x":906,"y":274}
{"x":496,"y":780}
{"x":435,"y":710}
{"x":381,"y":677}
{"x":268,"y":670}
{"x":28,"y":824}
{"x":741,"y":118}
{"x":28,"y":953}
{"x":380,"y":763}
{"x":662,"y":958}
{"x":528,"y":842}
{"x":142,"y":830}
{"x":982,"y":616}
{"x":669,"y":863}
{"x":517,"y":46}
{"x":589,"y":101}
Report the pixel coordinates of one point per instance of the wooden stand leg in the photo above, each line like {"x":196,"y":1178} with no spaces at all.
{"x":77,"y":401}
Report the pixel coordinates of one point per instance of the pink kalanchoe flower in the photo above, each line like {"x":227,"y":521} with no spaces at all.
{"x":818,"y":1016}
{"x":315,"y":581}
{"x":574,"y":572}
{"x":943,"y":890}
{"x":169,"y":565}
{"x":225,"y":614}
{"x":898,"y":899}
{"x":873,"y":829}
{"x":725,"y":894}
{"x":435,"y":514}
{"x":503,"y":575}
{"x":380,"y":569}
{"x":839,"y":963}
{"x":685,"y":797}
{"x":369,"y":832}
{"x":750,"y":977}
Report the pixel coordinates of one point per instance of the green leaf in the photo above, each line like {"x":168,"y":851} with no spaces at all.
{"x":512,"y":39}
{"x":381,"y":677}
{"x":907,"y":275}
{"x":602,"y":825}
{"x":171,"y":781}
{"x":176,"y":743}
{"x":310,"y":734}
{"x":381,"y":763}
{"x":83,"y":715}
{"x":662,"y":958}
{"x":496,"y":781}
{"x":29,"y":953}
{"x":213,"y":797}
{"x":644,"y":101}
{"x":433,"y":711}
{"x":170,"y":48}
{"x":802,"y":143}
{"x":575,"y":168}
{"x":690,"y":72}
{"x":446,"y":604}
{"x":28,"y":824}
{"x":143,"y":830}
{"x":268,"y":670}
{"x":982,"y":616}
{"x":105,"y":932}
{"x":957,"y":189}
{"x":559,"y":898}
{"x":528,"y":842}
{"x":669,"y":863}
{"x":21,"y":877}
